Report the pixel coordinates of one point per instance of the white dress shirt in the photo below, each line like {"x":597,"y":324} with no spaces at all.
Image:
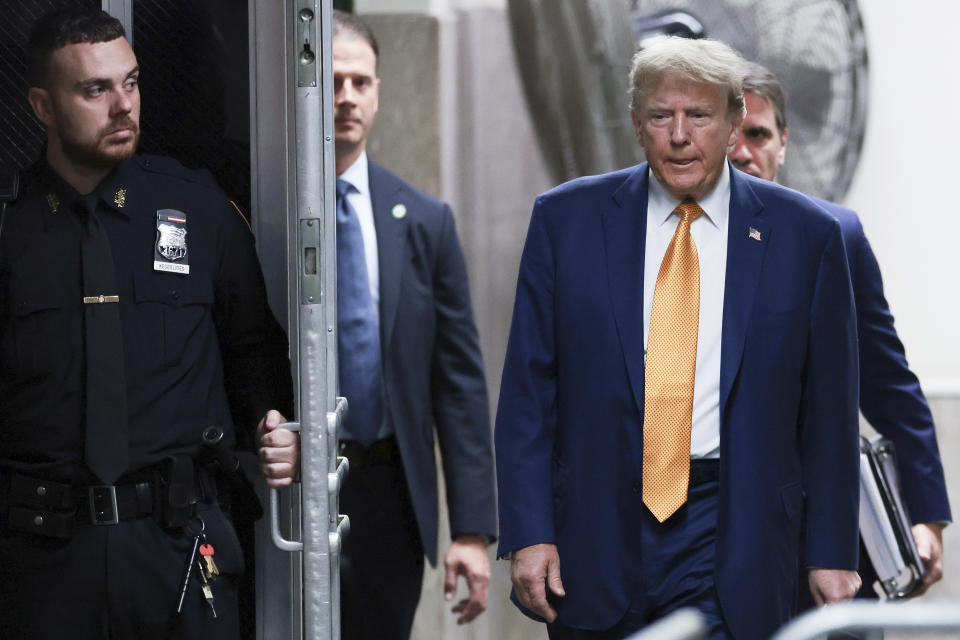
{"x":359,"y":198}
{"x":709,"y":233}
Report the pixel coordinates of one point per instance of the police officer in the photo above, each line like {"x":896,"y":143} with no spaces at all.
{"x":133,"y":317}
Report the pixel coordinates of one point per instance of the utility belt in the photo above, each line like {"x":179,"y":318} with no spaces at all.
{"x":168,"y":492}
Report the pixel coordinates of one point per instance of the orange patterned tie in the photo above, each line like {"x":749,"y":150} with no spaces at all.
{"x":671,"y":364}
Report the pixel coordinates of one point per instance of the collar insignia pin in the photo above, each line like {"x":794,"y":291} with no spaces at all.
{"x":53,"y":202}
{"x":120,"y":198}
{"x":399,"y":211}
{"x":754,"y":234}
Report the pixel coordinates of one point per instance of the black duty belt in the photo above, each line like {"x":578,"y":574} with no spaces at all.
{"x":703,"y":470}
{"x":49,"y":508}
{"x":380,"y":452}
{"x":54,"y":509}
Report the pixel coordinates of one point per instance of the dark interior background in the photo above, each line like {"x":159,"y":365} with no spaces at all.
{"x":195,"y":88}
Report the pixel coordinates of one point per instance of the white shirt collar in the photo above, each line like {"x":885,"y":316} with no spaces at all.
{"x":715,"y":205}
{"x":358,"y":175}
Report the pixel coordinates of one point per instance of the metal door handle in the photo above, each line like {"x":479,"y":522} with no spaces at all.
{"x":336,"y":537}
{"x":335,"y":480}
{"x":282,"y":543}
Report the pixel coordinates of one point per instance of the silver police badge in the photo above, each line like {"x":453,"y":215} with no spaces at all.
{"x":170,"y":251}
{"x":172,"y":244}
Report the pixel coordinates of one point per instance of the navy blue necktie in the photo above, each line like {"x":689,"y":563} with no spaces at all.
{"x":359,"y":327}
{"x":106,"y":442}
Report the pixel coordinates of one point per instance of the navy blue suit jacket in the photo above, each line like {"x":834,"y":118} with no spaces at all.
{"x":890,"y":394}
{"x":432,"y":368}
{"x":569,"y":424}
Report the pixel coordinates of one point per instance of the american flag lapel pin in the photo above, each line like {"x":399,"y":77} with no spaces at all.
{"x":754,"y":234}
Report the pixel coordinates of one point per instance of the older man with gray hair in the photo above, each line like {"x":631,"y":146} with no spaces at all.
{"x":680,"y":386}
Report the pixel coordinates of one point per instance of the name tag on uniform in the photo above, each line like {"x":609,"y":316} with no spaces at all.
{"x":170,"y":251}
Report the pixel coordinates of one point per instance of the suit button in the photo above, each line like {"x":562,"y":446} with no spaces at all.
{"x":175,"y":294}
{"x":637,"y":487}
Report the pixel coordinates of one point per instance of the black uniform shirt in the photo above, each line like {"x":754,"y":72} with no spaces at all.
{"x":200,"y":349}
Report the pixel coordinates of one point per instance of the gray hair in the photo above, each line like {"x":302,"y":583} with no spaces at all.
{"x":761,"y":82}
{"x":703,"y":61}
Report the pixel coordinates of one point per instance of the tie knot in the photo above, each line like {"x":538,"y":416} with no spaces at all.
{"x":86,"y":208}
{"x":688,"y":210}
{"x":87,"y":204}
{"x":343,"y":187}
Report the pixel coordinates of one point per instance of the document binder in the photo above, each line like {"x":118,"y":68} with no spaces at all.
{"x":885,"y":522}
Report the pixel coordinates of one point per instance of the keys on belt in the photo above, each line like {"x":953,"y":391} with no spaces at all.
{"x":200,"y":563}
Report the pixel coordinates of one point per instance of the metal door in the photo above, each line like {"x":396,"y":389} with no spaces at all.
{"x":294,"y":212}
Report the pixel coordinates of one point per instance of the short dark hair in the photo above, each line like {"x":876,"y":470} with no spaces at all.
{"x":62,"y":27}
{"x":351,"y":23}
{"x":760,"y":81}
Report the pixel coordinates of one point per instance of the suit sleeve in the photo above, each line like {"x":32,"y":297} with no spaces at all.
{"x":526,"y":415}
{"x":459,"y":394}
{"x":890,"y":394}
{"x":829,"y":427}
{"x":256,"y":367}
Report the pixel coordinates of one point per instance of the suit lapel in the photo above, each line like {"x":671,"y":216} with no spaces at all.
{"x":385,"y":193}
{"x":625,"y":226}
{"x":748,"y":236}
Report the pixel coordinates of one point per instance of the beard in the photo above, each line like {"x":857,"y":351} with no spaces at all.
{"x":101,"y":154}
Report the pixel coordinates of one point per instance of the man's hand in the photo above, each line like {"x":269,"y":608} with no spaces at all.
{"x":467,"y":557}
{"x":833,"y":585}
{"x":532,"y":570}
{"x":929,"y":539}
{"x":279,"y":451}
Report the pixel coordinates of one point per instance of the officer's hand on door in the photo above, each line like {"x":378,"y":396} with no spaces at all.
{"x":279,"y":451}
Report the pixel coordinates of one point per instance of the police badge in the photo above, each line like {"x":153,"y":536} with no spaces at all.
{"x":170,"y":252}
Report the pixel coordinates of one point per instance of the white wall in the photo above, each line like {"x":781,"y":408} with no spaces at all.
{"x":905,"y":185}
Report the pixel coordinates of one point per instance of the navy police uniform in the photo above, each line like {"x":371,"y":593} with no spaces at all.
{"x":200,"y":348}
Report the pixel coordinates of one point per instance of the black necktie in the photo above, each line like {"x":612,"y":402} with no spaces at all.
{"x":106,"y":448}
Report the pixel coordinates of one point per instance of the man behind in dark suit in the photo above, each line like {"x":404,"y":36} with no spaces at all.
{"x":890,"y":394}
{"x":632,"y":481}
{"x":410,"y":367}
